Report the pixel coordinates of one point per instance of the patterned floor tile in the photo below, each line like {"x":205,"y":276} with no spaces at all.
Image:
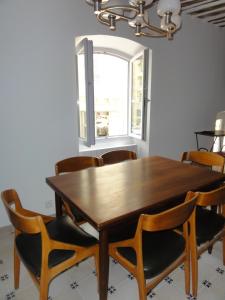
{"x":212,"y":294}
{"x":59,"y":283}
{"x":170,"y":292}
{"x":125,"y":290}
{"x":27,"y":294}
{"x":88,"y":288}
{"x":117,"y":274}
{"x":70,"y":294}
{"x":80,"y":271}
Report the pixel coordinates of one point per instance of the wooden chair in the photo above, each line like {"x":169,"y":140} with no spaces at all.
{"x":157,"y":249}
{"x":74,"y":164}
{"x":117,"y":156}
{"x":47,"y":246}
{"x":210,"y":227}
{"x":207,"y":159}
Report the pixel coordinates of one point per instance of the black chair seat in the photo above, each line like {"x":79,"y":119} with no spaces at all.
{"x":124,"y":232}
{"x":160,"y":249}
{"x":62,"y":229}
{"x":76,"y":214}
{"x":208,"y":224}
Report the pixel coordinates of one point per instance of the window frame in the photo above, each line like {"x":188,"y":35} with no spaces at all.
{"x":145,"y":54}
{"x":92,"y":140}
{"x":86,"y":46}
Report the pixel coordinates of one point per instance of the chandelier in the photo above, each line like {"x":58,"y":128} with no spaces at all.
{"x":135,"y":12}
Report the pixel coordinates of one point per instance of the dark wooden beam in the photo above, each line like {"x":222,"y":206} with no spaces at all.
{"x":211,"y":14}
{"x":208,"y":9}
{"x":219,"y":22}
{"x":200,"y":2}
{"x":216,"y":19}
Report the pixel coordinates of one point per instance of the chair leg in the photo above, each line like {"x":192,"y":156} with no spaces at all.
{"x":187,"y":276}
{"x":141,"y":288}
{"x":16,"y":269}
{"x":44,"y":283}
{"x":223,"y":242}
{"x":97,"y":267}
{"x":194,"y":269}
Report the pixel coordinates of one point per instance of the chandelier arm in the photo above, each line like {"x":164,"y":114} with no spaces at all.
{"x":156,"y":29}
{"x":110,"y":9}
{"x":103,"y":21}
{"x":157,"y":35}
{"x":148,"y":5}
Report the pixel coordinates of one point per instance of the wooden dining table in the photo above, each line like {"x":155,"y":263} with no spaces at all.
{"x":111,"y":196}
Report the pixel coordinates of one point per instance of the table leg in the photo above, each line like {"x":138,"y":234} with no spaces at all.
{"x":103,"y":265}
{"x":58,"y":205}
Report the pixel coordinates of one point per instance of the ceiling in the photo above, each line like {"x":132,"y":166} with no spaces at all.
{"x":212,"y":11}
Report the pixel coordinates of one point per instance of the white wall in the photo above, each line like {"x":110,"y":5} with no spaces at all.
{"x":187,"y":87}
{"x":37,"y":115}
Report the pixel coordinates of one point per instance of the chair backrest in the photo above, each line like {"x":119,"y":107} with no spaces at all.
{"x":209,"y":159}
{"x":76,"y":163}
{"x":170,"y":218}
{"x":11,"y":201}
{"x":117,"y":156}
{"x":214,"y":197}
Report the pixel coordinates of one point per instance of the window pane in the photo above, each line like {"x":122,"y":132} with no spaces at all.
{"x":137,"y":79}
{"x":82,"y":97}
{"x":111,"y":88}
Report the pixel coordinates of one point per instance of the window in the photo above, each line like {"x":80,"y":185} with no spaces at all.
{"x":111,"y":92}
{"x":85,"y":91}
{"x":137,"y":94}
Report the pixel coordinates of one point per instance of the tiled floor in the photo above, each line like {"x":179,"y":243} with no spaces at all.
{"x":79,"y":283}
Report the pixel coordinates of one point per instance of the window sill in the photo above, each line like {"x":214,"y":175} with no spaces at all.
{"x":104,"y":145}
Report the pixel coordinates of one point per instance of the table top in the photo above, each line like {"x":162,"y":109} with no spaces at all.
{"x":106,"y":195}
{"x":211,"y":132}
